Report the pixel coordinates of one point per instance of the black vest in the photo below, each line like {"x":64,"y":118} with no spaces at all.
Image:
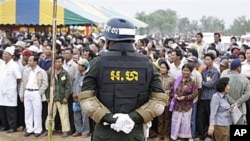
{"x":123,"y":79}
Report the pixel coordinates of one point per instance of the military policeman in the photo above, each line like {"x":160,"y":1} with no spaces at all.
{"x":121,"y":90}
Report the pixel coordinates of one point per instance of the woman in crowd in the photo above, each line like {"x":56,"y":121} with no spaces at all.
{"x":164,"y":120}
{"x":185,"y":90}
{"x":220,"y":119}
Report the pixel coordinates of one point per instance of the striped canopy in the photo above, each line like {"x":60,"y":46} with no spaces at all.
{"x":69,"y":12}
{"x":39,"y":12}
{"x":112,"y":13}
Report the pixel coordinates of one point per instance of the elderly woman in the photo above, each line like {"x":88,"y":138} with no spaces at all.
{"x":220,"y":118}
{"x":185,"y":90}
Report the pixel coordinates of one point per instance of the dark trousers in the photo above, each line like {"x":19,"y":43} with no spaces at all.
{"x":44,"y":113}
{"x":91,"y":125}
{"x":8,"y":117}
{"x":164,"y":123}
{"x":248,"y":111}
{"x":71,"y":114}
{"x":105,"y":133}
{"x":20,"y":113}
{"x":202,"y":120}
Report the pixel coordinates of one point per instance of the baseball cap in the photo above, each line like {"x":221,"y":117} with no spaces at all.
{"x":26,"y":52}
{"x":224,"y":63}
{"x":192,"y":59}
{"x":235,"y":64}
{"x":20,"y":44}
{"x":10,"y":50}
{"x":84,"y":62}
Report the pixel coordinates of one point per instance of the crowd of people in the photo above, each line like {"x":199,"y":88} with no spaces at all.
{"x":204,"y":81}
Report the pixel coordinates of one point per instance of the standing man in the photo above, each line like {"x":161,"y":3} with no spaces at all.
{"x":81,"y":119}
{"x":196,"y":76}
{"x":176,"y":66}
{"x":219,"y":46}
{"x":46,"y":65}
{"x":47,"y":61}
{"x":122,"y":89}
{"x":102,"y":47}
{"x":201,"y":46}
{"x":239,"y":89}
{"x":95,"y":48}
{"x":33,"y":86}
{"x":9,"y":79}
{"x":61,"y":95}
{"x":246,"y":72}
{"x":88,"y":54}
{"x":71,"y":67}
{"x":210,"y":75}
{"x":22,"y":62}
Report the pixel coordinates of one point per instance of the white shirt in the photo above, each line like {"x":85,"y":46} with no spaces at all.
{"x":196,"y":76}
{"x":71,"y":68}
{"x":176,"y":71}
{"x":201,"y":49}
{"x":245,"y":69}
{"x":220,"y":47}
{"x":66,"y":65}
{"x":32,"y":81}
{"x":1,"y":62}
{"x":10,"y":72}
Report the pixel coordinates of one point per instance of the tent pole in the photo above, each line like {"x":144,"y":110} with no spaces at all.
{"x":52,"y":80}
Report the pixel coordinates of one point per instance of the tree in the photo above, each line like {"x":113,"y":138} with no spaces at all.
{"x":184,"y":25}
{"x":167,"y":22}
{"x":212,"y":24}
{"x":194,"y":26}
{"x":239,"y":27}
{"x":163,"y":21}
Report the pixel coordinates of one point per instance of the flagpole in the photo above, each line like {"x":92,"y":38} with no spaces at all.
{"x":52,"y":80}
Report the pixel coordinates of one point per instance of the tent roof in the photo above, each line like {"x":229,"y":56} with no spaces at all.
{"x":38,"y":12}
{"x":83,"y":9}
{"x":112,"y":13}
{"x":69,"y":12}
{"x":118,"y":13}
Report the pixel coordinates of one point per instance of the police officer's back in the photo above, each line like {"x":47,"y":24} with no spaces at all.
{"x":121,"y":90}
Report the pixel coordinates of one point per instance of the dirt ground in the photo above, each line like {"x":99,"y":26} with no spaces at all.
{"x":18,"y":136}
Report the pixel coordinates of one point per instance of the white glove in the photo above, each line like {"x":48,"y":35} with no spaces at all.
{"x":123,"y":123}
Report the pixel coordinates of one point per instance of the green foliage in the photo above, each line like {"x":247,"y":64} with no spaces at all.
{"x":163,"y":21}
{"x":212,"y":24}
{"x":168,"y":22}
{"x":240,"y":26}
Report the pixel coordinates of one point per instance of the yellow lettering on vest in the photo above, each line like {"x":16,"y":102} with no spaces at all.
{"x":115,"y":75}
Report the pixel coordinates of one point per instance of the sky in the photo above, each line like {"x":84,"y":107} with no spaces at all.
{"x":193,"y":9}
